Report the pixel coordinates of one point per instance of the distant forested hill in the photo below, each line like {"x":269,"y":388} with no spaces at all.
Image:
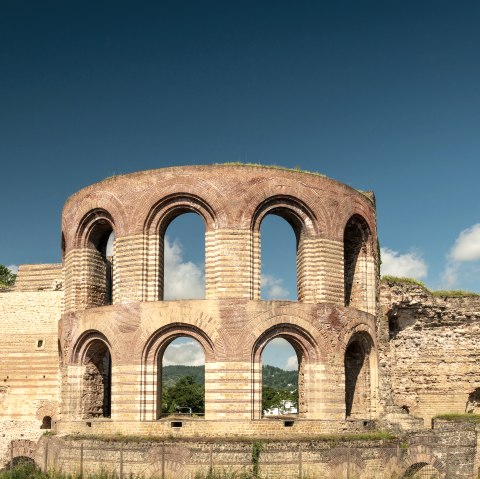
{"x":273,"y":377}
{"x":171,"y":374}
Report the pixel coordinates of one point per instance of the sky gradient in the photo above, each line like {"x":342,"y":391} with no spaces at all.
{"x":383,"y":96}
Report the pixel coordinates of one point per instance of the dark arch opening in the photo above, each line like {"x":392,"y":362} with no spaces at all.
{"x":355,"y":250}
{"x":421,"y":470}
{"x":358,"y":377}
{"x":100,"y":242}
{"x":46,"y":423}
{"x":97,"y":381}
{"x":181,"y":378}
{"x":182,"y":257}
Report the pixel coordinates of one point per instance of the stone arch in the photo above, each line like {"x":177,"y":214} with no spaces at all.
{"x":306,"y":349}
{"x":303,"y":222}
{"x":23,"y":451}
{"x":158,"y":219}
{"x":92,"y":237}
{"x":92,"y":353}
{"x":358,"y":265}
{"x":422,"y":465}
{"x":361,"y":375}
{"x":153,"y":351}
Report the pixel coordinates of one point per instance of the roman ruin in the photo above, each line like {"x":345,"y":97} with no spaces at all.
{"x":83,"y":341}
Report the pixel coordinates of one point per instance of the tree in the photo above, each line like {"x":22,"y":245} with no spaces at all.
{"x":7,"y":278}
{"x":185,"y":393}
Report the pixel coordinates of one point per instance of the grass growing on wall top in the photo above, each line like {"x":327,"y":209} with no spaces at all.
{"x":455,"y":293}
{"x":275,"y":167}
{"x":455,"y":417}
{"x":402,"y":279}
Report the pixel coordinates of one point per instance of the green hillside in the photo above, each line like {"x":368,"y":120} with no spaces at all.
{"x":273,"y":377}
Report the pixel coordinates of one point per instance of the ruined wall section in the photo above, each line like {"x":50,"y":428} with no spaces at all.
{"x":29,"y":382}
{"x":434,"y":350}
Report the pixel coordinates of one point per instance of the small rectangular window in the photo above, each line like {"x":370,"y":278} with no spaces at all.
{"x":40,"y":344}
{"x":176,"y":424}
{"x":288,"y":423}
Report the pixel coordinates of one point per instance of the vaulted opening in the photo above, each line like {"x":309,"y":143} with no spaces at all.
{"x":279,"y":240}
{"x":97,"y":381}
{"x":181,"y":379}
{"x":357,"y":274}
{"x":360,"y":377}
{"x":182,"y":258}
{"x":101,"y":245}
{"x":280,"y":366}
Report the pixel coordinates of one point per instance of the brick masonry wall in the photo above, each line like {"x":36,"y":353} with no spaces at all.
{"x":29,"y":380}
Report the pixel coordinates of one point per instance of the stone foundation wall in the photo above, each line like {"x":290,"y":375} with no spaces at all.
{"x":450,"y":450}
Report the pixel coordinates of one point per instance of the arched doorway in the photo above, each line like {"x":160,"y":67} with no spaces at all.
{"x":360,"y":377}
{"x":97,"y":381}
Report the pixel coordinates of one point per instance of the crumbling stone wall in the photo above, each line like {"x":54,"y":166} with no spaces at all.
{"x":434,"y":350}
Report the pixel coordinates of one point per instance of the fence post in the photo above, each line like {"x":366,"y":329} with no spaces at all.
{"x":45,"y":458}
{"x":300,"y":465}
{"x":81,"y":460}
{"x":121,"y":460}
{"x":163,"y":461}
{"x":11,"y":454}
{"x":211,"y":458}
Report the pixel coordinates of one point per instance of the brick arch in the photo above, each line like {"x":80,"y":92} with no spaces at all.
{"x":75,"y":213}
{"x":159,"y":217}
{"x":154,"y":349}
{"x":163,"y":212}
{"x":83,"y":343}
{"x":304,"y":224}
{"x":306,"y":349}
{"x":92,"y":353}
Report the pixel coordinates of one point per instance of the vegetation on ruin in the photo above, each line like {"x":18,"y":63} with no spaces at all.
{"x":473,"y":418}
{"x":7,"y":278}
{"x":401,"y":279}
{"x":274,"y":167}
{"x":455,"y":293}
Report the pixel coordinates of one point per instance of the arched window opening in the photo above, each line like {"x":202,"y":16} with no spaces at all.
{"x":421,"y":470}
{"x":356,"y":277}
{"x":46,"y":423}
{"x":181,"y":379}
{"x":359,"y":382}
{"x":101,"y":243}
{"x":279,"y":246}
{"x":63,"y":247}
{"x":97,"y":381}
{"x":182,"y":264}
{"x":280,"y":366}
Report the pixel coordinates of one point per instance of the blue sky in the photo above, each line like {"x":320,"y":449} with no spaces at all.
{"x":383,"y":96}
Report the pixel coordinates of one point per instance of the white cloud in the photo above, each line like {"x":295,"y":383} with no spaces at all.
{"x":13,"y":268}
{"x":292,"y":363}
{"x":186,"y":354}
{"x":466,"y":249}
{"x":467,"y":245}
{"x":183,"y":280}
{"x":410,"y":265}
{"x":273,"y":288}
